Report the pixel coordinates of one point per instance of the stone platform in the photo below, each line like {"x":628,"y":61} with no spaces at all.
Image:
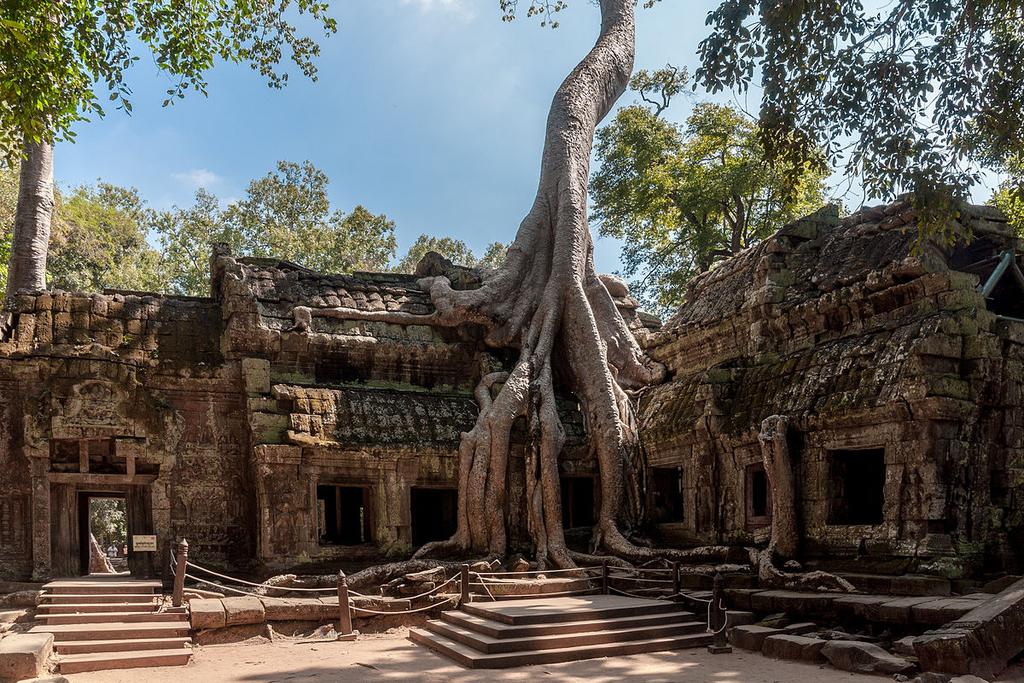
{"x":508,"y":633}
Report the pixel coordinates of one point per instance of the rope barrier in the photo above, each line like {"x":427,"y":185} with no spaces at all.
{"x":433,"y":590}
{"x":408,"y":611}
{"x":261,"y":585}
{"x":632,"y":595}
{"x":538,"y":571}
{"x":484,"y":584}
{"x":637,"y":578}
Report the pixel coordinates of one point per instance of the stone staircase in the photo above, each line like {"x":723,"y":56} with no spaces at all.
{"x":511,"y":633}
{"x":101,"y":623}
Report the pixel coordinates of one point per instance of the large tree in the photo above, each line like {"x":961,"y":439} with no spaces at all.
{"x":547,"y":300}
{"x":58,"y":59}
{"x":913,"y":95}
{"x":683,"y":197}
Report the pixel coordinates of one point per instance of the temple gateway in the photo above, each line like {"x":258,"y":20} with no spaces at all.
{"x":274,"y":432}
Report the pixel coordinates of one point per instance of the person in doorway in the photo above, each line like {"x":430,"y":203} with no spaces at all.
{"x":112,"y":550}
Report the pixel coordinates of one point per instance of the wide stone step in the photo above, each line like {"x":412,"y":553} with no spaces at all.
{"x":120,"y":645}
{"x":497,"y":629}
{"x":468,"y":657}
{"x":81,"y":598}
{"x":488,"y":644}
{"x":112,"y":631}
{"x":102,"y":661}
{"x":95,"y":607}
{"x":581,"y":608}
{"x":107,"y":617}
{"x":108,"y":586}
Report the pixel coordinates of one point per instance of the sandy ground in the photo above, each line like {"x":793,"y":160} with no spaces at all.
{"x":390,"y":657}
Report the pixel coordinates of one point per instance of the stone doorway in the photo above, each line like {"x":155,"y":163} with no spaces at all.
{"x":70,"y":503}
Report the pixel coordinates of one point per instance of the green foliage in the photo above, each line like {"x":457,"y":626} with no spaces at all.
{"x":59,"y":59}
{"x":1009,"y":196}
{"x":684,"y":197}
{"x":108,"y":522}
{"x":912,"y":97}
{"x":285,"y":214}
{"x":97,"y":238}
{"x":455,"y":250}
{"x":99,"y":241}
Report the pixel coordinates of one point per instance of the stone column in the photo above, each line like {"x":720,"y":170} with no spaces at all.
{"x":39,"y":465}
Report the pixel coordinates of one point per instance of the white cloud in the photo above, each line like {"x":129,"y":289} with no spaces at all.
{"x":459,"y":7}
{"x":198,"y":177}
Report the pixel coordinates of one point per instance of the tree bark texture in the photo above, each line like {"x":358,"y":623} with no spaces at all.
{"x":31,"y":240}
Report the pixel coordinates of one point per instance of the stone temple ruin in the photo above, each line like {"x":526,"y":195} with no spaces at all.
{"x":275,"y":434}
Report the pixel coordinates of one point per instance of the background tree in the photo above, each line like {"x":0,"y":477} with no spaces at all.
{"x":683,"y":197}
{"x":98,"y":238}
{"x":99,"y":241}
{"x":58,"y":59}
{"x":912,"y":97}
{"x":1009,"y":196}
{"x":455,"y":250}
{"x":285,"y":214}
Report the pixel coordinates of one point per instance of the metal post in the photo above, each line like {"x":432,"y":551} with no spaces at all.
{"x":604,"y":576}
{"x":675,"y":578}
{"x":720,"y":644}
{"x":464,"y":584}
{"x":344,"y":610}
{"x":180,"y":559}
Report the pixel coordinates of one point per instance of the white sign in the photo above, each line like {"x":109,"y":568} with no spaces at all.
{"x":144,"y":543}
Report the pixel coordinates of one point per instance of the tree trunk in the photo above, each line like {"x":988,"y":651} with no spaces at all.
{"x":778,"y":467}
{"x":27,"y":265}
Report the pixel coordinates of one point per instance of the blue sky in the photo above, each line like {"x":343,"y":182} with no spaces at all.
{"x":431,"y":111}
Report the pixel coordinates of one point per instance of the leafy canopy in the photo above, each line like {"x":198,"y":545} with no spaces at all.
{"x":684,"y":197}
{"x":58,"y":60}
{"x":285,"y":214}
{"x":455,"y":250}
{"x":913,"y":97}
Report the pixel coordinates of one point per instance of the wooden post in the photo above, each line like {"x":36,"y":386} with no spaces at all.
{"x":181,"y":560}
{"x":604,"y":577}
{"x":675,"y":578}
{"x":720,"y":644}
{"x":464,"y":583}
{"x":344,"y":611}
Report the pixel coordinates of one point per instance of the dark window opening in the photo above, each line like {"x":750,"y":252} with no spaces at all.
{"x":758,"y":500}
{"x":577,"y":502}
{"x":434,"y":514}
{"x":1007,"y":297}
{"x":342,"y":515}
{"x":667,"y":495}
{"x":857,"y":480}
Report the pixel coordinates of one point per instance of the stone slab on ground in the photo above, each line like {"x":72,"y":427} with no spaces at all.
{"x":853,"y":655}
{"x":751,"y":637}
{"x":207,"y":613}
{"x":299,"y":609}
{"x":982,"y":641}
{"x":793,"y":602}
{"x":793,"y":647}
{"x":10,"y":616}
{"x":240,"y":611}
{"x":800,"y":628}
{"x":904,"y":646}
{"x":860,"y":606}
{"x":24,"y":655}
{"x":942,"y":611}
{"x":899,"y":611}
